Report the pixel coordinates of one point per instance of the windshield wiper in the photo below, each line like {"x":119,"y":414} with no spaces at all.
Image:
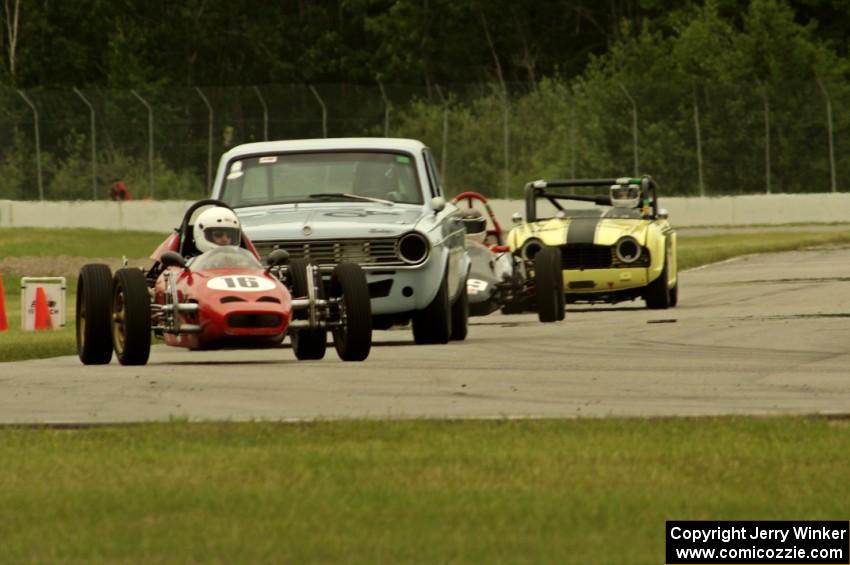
{"x":352,"y":197}
{"x":271,"y":203}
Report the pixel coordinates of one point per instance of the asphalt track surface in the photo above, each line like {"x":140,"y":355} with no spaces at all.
{"x":765,"y":334}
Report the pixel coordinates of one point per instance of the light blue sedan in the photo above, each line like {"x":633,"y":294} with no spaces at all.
{"x":378,"y":202}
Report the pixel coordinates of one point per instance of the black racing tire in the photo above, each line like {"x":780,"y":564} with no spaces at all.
{"x":131,"y":317}
{"x":674,"y":295}
{"x":433,"y":324}
{"x":460,"y":315}
{"x":657,"y":293}
{"x":353,"y":339}
{"x":511,"y":308}
{"x":562,"y":300}
{"x":549,"y":285}
{"x":94,"y":338}
{"x":306,"y":344}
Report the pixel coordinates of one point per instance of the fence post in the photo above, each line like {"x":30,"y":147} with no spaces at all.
{"x":150,"y":141}
{"x":572,"y":119}
{"x":387,"y":108}
{"x":324,"y":111}
{"x":832,"y":180}
{"x":37,"y":145}
{"x":445,"y":149}
{"x":634,"y":127}
{"x":699,"y":144}
{"x":93,"y":144}
{"x":265,"y":114}
{"x":209,"y":137}
{"x":767,"y":167}
{"x":507,"y":134}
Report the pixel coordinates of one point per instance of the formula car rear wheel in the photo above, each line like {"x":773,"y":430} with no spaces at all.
{"x":94,"y":339}
{"x":433,"y":324}
{"x":131,"y":317}
{"x":549,"y":285}
{"x":353,"y":338}
{"x":306,"y":343}
{"x":674,"y":295}
{"x":460,"y":315}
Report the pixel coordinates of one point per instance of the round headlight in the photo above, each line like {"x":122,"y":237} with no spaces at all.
{"x":530,"y":248}
{"x":628,"y":250}
{"x":413,"y":248}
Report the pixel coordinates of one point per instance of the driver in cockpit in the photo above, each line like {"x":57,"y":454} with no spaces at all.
{"x":215,"y":227}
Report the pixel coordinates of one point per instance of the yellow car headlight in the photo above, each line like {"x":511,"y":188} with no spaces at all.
{"x":530,"y":248}
{"x":628,"y":249}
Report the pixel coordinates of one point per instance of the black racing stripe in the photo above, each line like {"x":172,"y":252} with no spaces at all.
{"x":582,"y":230}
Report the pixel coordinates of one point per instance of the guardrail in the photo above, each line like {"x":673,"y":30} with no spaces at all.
{"x":163,"y":216}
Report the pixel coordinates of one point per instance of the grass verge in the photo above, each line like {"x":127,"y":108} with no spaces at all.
{"x":592,"y":491}
{"x":702,"y":250}
{"x":41,"y":242}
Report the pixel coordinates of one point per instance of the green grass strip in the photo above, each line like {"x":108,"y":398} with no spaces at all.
{"x":702,"y":250}
{"x":546,"y":491}
{"x":42,"y":242}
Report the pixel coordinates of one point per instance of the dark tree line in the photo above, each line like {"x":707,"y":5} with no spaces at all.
{"x":130,"y":43}
{"x":714,"y":96}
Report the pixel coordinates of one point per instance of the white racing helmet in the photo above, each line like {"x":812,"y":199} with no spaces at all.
{"x":625,"y":196}
{"x":475,"y":224}
{"x":216,"y":226}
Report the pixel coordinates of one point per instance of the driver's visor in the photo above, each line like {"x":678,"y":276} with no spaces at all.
{"x":624,"y":192}
{"x":223,"y":236}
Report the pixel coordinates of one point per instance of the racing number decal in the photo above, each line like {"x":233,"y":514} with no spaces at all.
{"x":244,"y":283}
{"x":474,"y":286}
{"x":241,"y":282}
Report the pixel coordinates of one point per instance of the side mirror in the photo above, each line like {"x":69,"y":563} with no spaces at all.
{"x":516,"y":218}
{"x":438,"y":204}
{"x":277,"y":257}
{"x":663,"y":214}
{"x":172,"y":259}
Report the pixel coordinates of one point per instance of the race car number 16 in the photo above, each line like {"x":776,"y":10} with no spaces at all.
{"x":241,"y":283}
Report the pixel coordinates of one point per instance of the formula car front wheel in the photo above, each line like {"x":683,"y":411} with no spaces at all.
{"x":353,"y":337}
{"x":549,"y":285}
{"x":131,"y":317}
{"x":94,"y":340}
{"x":307,"y":344}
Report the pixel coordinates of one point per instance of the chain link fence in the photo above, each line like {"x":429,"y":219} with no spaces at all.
{"x":696,"y":139}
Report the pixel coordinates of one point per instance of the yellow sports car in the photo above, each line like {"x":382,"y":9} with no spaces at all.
{"x":614,"y":246}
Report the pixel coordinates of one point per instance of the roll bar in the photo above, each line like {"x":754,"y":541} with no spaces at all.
{"x":539,"y":189}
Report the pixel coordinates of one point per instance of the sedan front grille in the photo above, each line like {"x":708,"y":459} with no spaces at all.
{"x":366,"y":252}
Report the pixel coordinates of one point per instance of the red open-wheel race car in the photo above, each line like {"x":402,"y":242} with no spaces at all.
{"x":499,"y":278}
{"x":221,"y":298}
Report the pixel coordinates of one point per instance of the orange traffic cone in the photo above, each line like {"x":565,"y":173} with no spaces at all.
{"x":42,"y":311}
{"x":4,"y":323}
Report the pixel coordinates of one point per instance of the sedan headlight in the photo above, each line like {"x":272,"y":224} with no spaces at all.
{"x":628,"y":250}
{"x":413,"y":248}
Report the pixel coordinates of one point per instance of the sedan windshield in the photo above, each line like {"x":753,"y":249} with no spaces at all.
{"x":321,"y":176}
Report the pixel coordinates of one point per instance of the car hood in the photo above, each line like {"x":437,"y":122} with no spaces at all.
{"x":593,"y":230}
{"x":328,"y":221}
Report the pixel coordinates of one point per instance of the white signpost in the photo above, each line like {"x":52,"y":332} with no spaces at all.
{"x":54,"y":291}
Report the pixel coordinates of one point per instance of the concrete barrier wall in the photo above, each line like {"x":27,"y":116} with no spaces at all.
{"x":163,"y":216}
